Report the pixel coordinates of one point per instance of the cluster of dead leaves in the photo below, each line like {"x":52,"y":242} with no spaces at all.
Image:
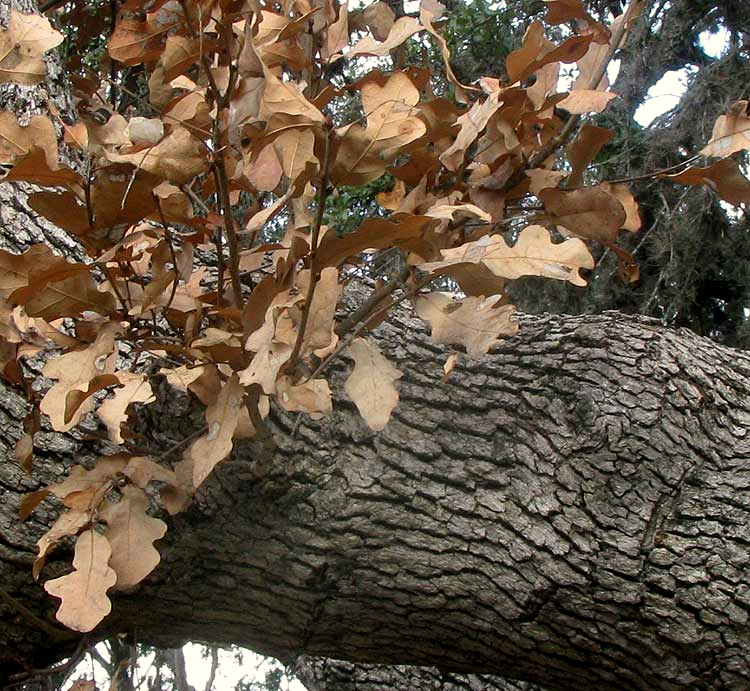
{"x":244,"y":109}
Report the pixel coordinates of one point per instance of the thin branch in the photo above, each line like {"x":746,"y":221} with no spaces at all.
{"x":168,"y":235}
{"x":314,"y":237}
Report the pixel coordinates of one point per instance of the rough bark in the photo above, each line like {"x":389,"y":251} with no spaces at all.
{"x":572,"y":510}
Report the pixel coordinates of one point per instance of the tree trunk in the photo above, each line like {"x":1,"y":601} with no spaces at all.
{"x":571,"y":510}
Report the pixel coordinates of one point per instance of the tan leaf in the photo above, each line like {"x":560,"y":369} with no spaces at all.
{"x":131,"y":533}
{"x":364,"y":153}
{"x":281,"y":97}
{"x":402,"y":29}
{"x":723,"y":176}
{"x":371,"y":384}
{"x":22,"y":45}
{"x":450,"y":364}
{"x":622,"y":193}
{"x":69,"y":297}
{"x":74,"y":371}
{"x":135,"y":41}
{"x":313,"y":396}
{"x":295,"y":149}
{"x":18,"y":140}
{"x":179,"y":157}
{"x":586,"y":101}
{"x":270,"y":356}
{"x":472,"y":124}
{"x":320,"y":321}
{"x":221,"y":418}
{"x":67,"y":524}
{"x":84,"y":592}
{"x":534,"y":254}
{"x":136,"y":388}
{"x":731,"y":131}
{"x":473,"y":322}
{"x":33,"y":168}
{"x":541,"y":178}
{"x":589,"y":212}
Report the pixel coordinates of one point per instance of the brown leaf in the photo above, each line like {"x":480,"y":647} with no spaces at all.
{"x":136,"y":388}
{"x":131,"y":533}
{"x":534,"y":254}
{"x":84,"y":592}
{"x":725,"y":177}
{"x":222,"y":418}
{"x":374,"y":233}
{"x":590,"y":212}
{"x":320,"y":321}
{"x":22,"y":45}
{"x":583,"y":150}
{"x":473,"y":322}
{"x":371,"y":384}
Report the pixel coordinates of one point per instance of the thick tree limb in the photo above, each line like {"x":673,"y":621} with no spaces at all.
{"x":572,"y":510}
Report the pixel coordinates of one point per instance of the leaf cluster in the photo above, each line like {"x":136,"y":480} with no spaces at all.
{"x":244,"y":109}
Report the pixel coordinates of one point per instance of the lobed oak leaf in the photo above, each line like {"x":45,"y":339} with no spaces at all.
{"x":74,"y":371}
{"x":589,"y":212}
{"x":286,"y":98}
{"x":221,"y":417}
{"x":379,"y":18}
{"x":136,"y":388}
{"x":534,"y":254}
{"x":134,"y":42}
{"x":622,"y":193}
{"x":474,"y":322}
{"x":725,"y":177}
{"x":84,"y":592}
{"x":69,"y":297}
{"x":22,"y":45}
{"x":582,"y":151}
{"x":131,"y":533}
{"x":67,"y":524}
{"x":33,"y":167}
{"x":371,"y":384}
{"x":312,"y":396}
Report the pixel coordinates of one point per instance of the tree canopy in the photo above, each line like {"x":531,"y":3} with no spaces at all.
{"x":251,"y":188}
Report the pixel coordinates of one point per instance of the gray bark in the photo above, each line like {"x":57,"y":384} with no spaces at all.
{"x":572,"y":510}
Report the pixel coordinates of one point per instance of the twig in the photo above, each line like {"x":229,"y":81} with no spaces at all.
{"x":26,"y":613}
{"x":314,"y":236}
{"x":168,"y":235}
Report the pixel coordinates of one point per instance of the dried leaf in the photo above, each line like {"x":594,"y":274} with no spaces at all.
{"x":725,"y":177}
{"x":131,"y":533}
{"x":22,"y":44}
{"x":84,"y":592}
{"x":473,"y":322}
{"x":590,"y":212}
{"x":136,"y":388}
{"x":731,"y":131}
{"x":534,"y":254}
{"x":392,"y":123}
{"x":402,"y":29}
{"x":67,"y":524}
{"x":222,"y":418}
{"x":370,"y":385}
